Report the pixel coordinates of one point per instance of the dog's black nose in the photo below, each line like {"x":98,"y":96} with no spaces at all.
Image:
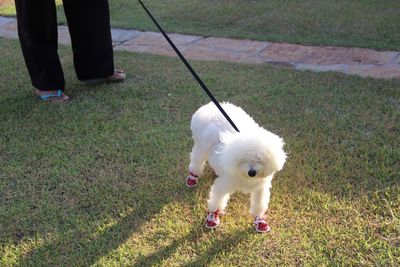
{"x":252,"y":173}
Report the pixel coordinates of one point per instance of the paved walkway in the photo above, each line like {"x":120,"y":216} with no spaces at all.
{"x":357,"y":61}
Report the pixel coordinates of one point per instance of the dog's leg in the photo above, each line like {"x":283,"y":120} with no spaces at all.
{"x":258,"y":206}
{"x":217,"y":202}
{"x":198,"y":157}
{"x":259,"y":202}
{"x":219,"y":195}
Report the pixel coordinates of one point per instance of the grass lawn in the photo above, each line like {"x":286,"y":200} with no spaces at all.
{"x":367,"y":23}
{"x":100,"y":180}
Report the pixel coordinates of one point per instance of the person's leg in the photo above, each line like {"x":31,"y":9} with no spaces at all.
{"x":37,"y":30}
{"x":89,"y":26}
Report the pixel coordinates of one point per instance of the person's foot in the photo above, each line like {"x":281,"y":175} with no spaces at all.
{"x":117,"y":76}
{"x":52,"y":96}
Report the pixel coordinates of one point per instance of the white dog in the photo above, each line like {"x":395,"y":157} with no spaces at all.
{"x":244,"y":161}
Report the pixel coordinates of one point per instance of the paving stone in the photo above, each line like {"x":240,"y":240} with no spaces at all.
{"x":193,"y":52}
{"x":120,"y":35}
{"x":63,"y":35}
{"x":141,"y":43}
{"x":397,"y":59}
{"x":157,"y":39}
{"x":133,"y":47}
{"x":383,"y":71}
{"x":358,"y":61}
{"x":11,"y":26}
{"x":353,"y":56}
{"x":6,"y":20}
{"x":240,"y":46}
{"x":212,"y":54}
{"x":155,"y":43}
{"x":7,"y":34}
{"x":9,"y":30}
{"x":181,"y":39}
{"x":146,"y":39}
{"x":290,"y":53}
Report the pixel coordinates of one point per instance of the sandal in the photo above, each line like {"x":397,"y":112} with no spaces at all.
{"x":52,"y":96}
{"x":117,"y":76}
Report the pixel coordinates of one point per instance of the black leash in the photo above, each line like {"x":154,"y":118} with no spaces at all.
{"x":210,"y":95}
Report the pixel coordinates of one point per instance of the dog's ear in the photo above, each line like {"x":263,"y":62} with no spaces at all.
{"x":279,"y":158}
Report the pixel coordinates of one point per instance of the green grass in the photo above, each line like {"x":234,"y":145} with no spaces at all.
{"x":100,"y":180}
{"x":361,"y":23}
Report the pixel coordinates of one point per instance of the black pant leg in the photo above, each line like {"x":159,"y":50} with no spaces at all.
{"x":89,"y":26}
{"x":37,"y":30}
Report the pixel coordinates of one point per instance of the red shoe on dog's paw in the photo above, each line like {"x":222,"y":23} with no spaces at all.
{"x":191,"y":180}
{"x":261,"y":225}
{"x":212,"y":219}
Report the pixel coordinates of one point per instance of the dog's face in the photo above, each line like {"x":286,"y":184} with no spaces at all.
{"x":253,"y":155}
{"x":253,"y":164}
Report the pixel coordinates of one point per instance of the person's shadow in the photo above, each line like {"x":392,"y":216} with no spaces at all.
{"x":80,"y":249}
{"x":84,"y":244}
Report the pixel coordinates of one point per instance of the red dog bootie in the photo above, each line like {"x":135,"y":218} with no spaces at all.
{"x":192,"y":180}
{"x":212,"y":219}
{"x":261,"y":225}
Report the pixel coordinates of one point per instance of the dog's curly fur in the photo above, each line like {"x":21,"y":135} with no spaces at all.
{"x":244,"y":161}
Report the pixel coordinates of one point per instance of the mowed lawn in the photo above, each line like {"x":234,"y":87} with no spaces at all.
{"x":100,"y":180}
{"x":361,"y":23}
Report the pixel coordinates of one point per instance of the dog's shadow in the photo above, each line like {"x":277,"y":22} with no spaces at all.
{"x":88,"y":250}
{"x":225,"y":242}
{"x":88,"y":247}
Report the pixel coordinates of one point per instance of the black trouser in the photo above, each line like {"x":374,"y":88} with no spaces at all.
{"x":89,"y":26}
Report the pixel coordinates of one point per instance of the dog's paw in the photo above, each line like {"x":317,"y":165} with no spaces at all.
{"x":212,"y":220}
{"x":261,"y":225}
{"x":192,"y":180}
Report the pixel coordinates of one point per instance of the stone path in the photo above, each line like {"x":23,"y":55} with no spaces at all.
{"x":356,"y":61}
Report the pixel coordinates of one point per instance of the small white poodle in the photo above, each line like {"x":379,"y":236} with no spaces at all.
{"x":244,"y":161}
